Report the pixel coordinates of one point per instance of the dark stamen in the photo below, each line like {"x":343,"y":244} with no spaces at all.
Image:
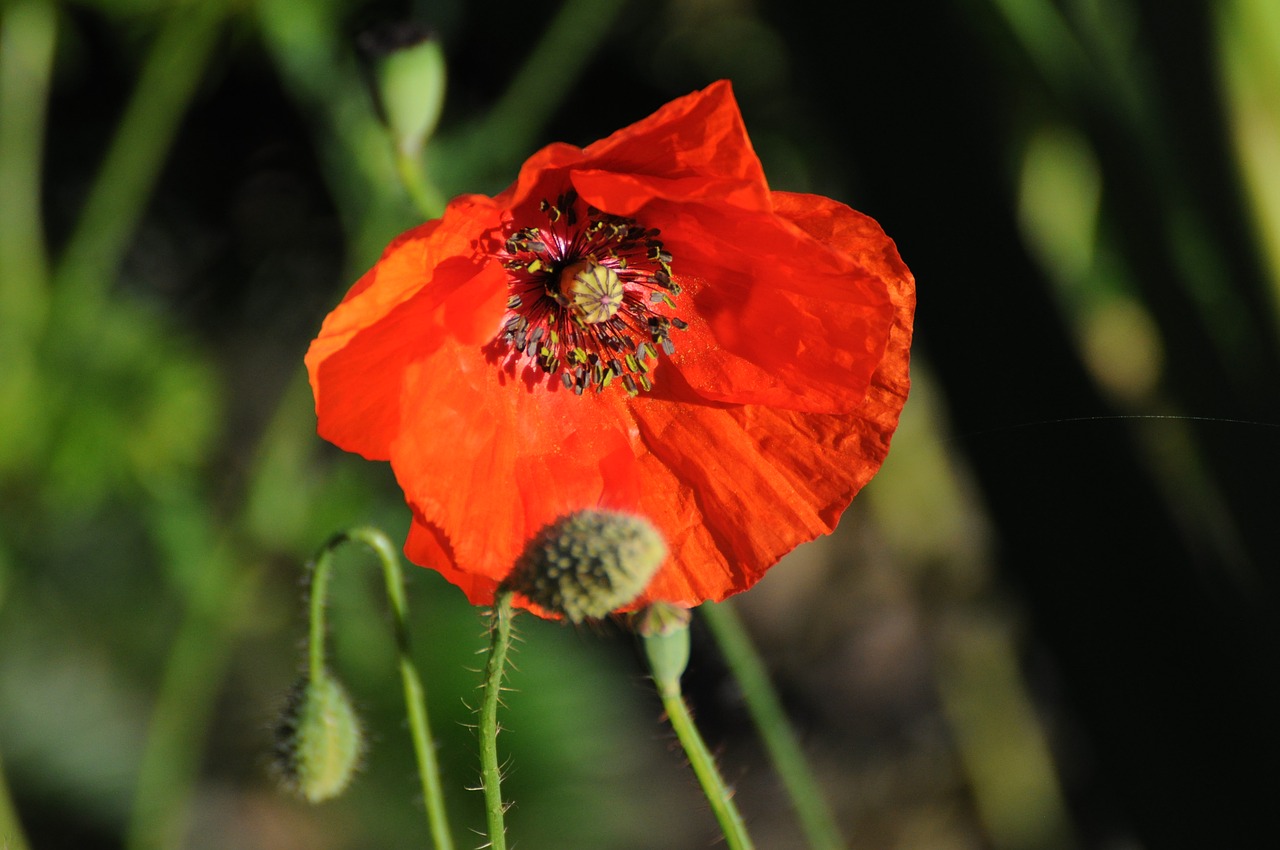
{"x":586,"y":287}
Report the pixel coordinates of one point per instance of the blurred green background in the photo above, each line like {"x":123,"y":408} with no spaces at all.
{"x":1051,"y":622}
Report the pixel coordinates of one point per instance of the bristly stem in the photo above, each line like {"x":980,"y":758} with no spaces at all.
{"x":490,"y":773}
{"x":704,"y":767}
{"x":665,"y":629}
{"x":740,"y":654}
{"x":414,"y":693}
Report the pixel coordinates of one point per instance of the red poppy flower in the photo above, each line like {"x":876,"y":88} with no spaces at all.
{"x":638,"y":325}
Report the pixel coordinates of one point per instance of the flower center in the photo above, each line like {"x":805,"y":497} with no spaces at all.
{"x":591,"y":297}
{"x":592,"y":291}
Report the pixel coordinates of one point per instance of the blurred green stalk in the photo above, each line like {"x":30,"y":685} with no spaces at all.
{"x":426,"y":198}
{"x":87,"y":269}
{"x":488,"y":150}
{"x":11,"y":834}
{"x":207,"y":564}
{"x":84,"y":276}
{"x":568,"y":43}
{"x":1248,"y":36}
{"x":806,"y":795}
{"x":1088,"y":61}
{"x":146,"y":131}
{"x":192,"y":676}
{"x":27,"y":36}
{"x":1001,"y":741}
{"x":316,"y":64}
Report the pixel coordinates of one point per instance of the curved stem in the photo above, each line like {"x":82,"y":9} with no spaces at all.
{"x":490,"y":773}
{"x":414,"y":693}
{"x":704,"y":766}
{"x":766,"y":711}
{"x":318,"y":594}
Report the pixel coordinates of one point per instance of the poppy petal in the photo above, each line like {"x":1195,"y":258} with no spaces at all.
{"x":799,"y":469}
{"x":420,"y":293}
{"x":795,"y":472}
{"x":627,"y":194}
{"x":699,"y":134}
{"x":484,"y":450}
{"x":794,"y":321}
{"x":428,"y":546}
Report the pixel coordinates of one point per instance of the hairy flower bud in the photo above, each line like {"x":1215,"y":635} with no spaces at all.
{"x":589,"y":564}
{"x":318,"y":740}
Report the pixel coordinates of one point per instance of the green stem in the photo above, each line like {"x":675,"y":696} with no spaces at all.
{"x":426,"y":198}
{"x":490,"y":774}
{"x":11,"y":835}
{"x":318,"y":595}
{"x":119,"y":194}
{"x":415,"y":698}
{"x":704,"y":766}
{"x":766,"y":711}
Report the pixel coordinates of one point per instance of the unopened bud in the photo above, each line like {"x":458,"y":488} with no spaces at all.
{"x":318,"y":739}
{"x":409,"y":78}
{"x":665,"y":629}
{"x":589,"y":564}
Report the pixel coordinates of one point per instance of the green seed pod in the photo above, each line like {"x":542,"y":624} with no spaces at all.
{"x":318,"y":740}
{"x":589,"y":564}
{"x":665,"y":629}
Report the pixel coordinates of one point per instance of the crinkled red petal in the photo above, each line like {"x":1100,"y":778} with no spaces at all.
{"x":791,"y":472}
{"x":700,"y":134}
{"x":778,"y":317}
{"x":696,"y":137}
{"x":488,"y":456}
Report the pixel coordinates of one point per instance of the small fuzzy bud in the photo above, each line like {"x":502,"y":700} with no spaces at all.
{"x":665,"y":629}
{"x":318,"y":739}
{"x":589,"y":564}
